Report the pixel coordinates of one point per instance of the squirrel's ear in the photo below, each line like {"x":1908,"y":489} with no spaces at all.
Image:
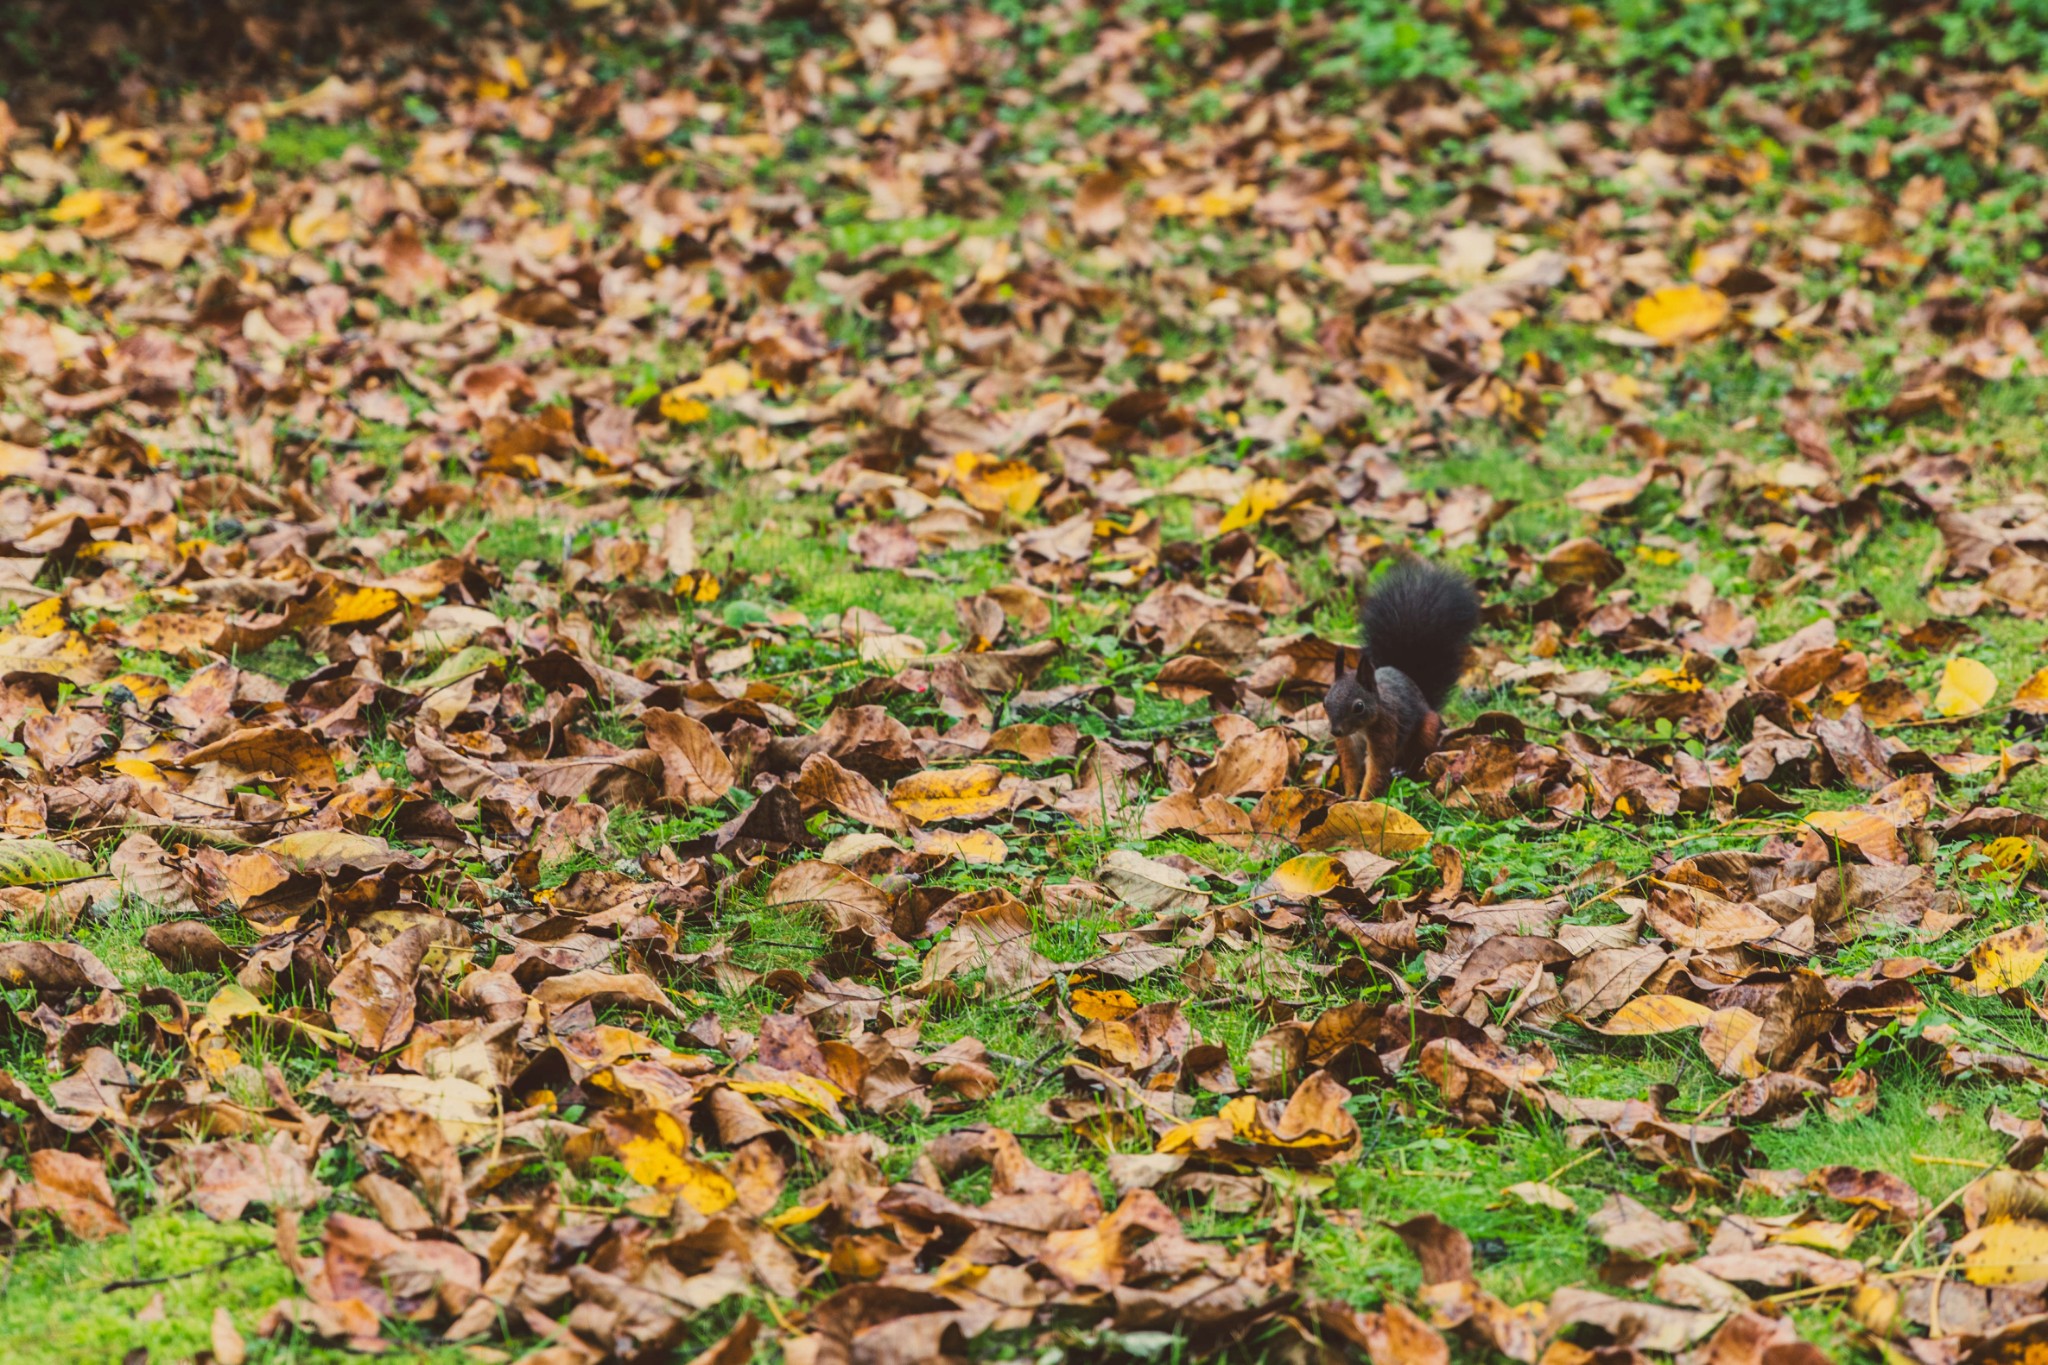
{"x":1364,"y":671}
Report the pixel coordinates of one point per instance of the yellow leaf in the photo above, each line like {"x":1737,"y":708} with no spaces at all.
{"x":2033,"y":694}
{"x":1261,"y":497}
{"x":1308,"y":874}
{"x":679,"y":407}
{"x":795,"y":1216}
{"x":362,"y":604}
{"x":2011,"y":855}
{"x":807,"y":1092}
{"x":697,"y":587}
{"x":230,"y":1003}
{"x":991,"y":485}
{"x":970,"y":846}
{"x":325,"y":850}
{"x":1874,"y":833}
{"x":1104,"y":1005}
{"x":652,"y":1147}
{"x":1966,"y":688}
{"x":42,"y":620}
{"x":1656,"y":1014}
{"x":78,"y":206}
{"x":1224,"y":201}
{"x":124,"y":151}
{"x":1373,"y":826}
{"x":147,"y":687}
{"x":2006,"y":1251}
{"x":267,"y":239}
{"x":1676,"y":679}
{"x":2012,"y":957}
{"x":38,"y":862}
{"x":971,"y":793}
{"x":1681,"y":313}
{"x":1312,"y":1124}
{"x":726,"y":379}
{"x":317,"y":225}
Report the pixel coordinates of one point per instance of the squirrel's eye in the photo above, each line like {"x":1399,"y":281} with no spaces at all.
{"x":1358,"y":707}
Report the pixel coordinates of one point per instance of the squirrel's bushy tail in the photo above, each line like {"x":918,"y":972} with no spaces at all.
{"x":1419,"y":618}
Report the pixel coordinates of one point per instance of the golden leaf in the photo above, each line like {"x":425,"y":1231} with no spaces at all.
{"x":1680,"y":313}
{"x":2033,"y":694}
{"x":267,"y":239}
{"x":2006,"y":1251}
{"x":1656,"y":1014}
{"x":697,"y":587}
{"x":679,"y":407}
{"x":652,"y":1147}
{"x":795,"y":1216}
{"x":78,"y":206}
{"x":1966,"y":688}
{"x":44,"y":619}
{"x":991,"y":485}
{"x":726,"y":379}
{"x":1307,"y":874}
{"x":127,"y":150}
{"x":2012,"y":855}
{"x":1868,"y":831}
{"x":37,"y":862}
{"x":971,"y":846}
{"x":352,"y":605}
{"x":1373,"y":826}
{"x":1104,"y":1005}
{"x":796,"y":1092}
{"x":1260,"y":497}
{"x":971,"y":793}
{"x":2011,"y":957}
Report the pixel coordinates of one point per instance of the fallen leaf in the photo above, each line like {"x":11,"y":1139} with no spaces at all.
{"x":1966,"y":688}
{"x":1683,"y":312}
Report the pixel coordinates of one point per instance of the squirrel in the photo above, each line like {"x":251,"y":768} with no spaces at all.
{"x":1418,"y":623}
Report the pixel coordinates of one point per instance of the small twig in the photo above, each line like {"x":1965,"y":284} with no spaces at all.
{"x":1037,"y":1063}
{"x":1927,"y":721}
{"x":1970,"y":1162}
{"x":2009,"y":1040}
{"x":1573,"y":1164}
{"x":244,"y":1254}
{"x":1934,"y":1299}
{"x":1816,"y":1290}
{"x":1718,"y":1101}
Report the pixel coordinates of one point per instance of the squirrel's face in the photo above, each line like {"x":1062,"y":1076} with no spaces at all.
{"x":1350,"y":707}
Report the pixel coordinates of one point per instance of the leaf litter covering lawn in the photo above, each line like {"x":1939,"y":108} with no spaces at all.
{"x":596,"y":604}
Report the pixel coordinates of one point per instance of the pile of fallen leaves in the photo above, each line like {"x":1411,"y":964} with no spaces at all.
{"x":244,"y":404}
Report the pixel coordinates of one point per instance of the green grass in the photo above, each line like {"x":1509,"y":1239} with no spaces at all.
{"x":55,"y":1308}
